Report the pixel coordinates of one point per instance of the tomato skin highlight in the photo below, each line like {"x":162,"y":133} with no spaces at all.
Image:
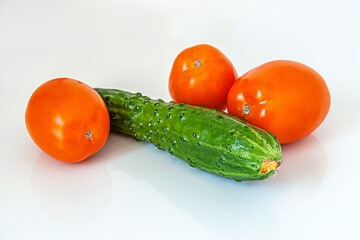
{"x":285,"y":97}
{"x":67,"y":119}
{"x":201,"y":75}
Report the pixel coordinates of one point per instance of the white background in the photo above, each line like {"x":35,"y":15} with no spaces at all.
{"x":131,"y":190}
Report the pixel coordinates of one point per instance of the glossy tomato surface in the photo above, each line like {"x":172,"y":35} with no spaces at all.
{"x":201,"y":75}
{"x":67,"y":119}
{"x":284,"y":97}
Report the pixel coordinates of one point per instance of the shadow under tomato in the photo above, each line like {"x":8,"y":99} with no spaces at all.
{"x":79,"y":192}
{"x":116,"y":146}
{"x":71,"y":193}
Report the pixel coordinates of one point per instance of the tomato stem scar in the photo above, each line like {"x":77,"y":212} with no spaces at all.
{"x":88,"y":135}
{"x":197,"y":63}
{"x":246,"y":109}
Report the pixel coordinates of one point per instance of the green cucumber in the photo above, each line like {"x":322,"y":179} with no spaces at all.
{"x":208,"y":139}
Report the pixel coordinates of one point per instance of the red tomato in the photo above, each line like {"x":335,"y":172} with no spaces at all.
{"x":284,"y":97}
{"x":201,"y":75}
{"x":67,"y":119}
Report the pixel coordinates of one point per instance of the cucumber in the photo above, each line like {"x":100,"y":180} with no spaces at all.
{"x":208,"y":139}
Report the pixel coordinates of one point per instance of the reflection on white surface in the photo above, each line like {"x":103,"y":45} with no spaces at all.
{"x":225,"y":207}
{"x":73,"y":193}
{"x":212,"y":201}
{"x":301,"y":174}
